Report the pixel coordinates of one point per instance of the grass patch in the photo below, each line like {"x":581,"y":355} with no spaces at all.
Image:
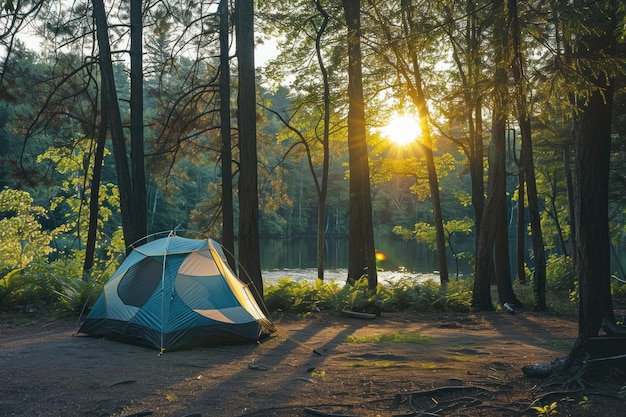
{"x":413,"y":338}
{"x":558,"y":345}
{"x":462,"y":358}
{"x":392,"y":364}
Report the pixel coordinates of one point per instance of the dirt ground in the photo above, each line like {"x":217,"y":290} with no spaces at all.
{"x":473,"y":361}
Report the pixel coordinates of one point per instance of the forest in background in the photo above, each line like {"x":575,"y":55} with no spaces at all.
{"x":432,"y":61}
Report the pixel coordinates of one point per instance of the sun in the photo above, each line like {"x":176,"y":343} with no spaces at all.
{"x":401,"y":129}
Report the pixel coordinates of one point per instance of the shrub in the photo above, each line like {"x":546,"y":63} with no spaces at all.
{"x":429,"y":296}
{"x":459,"y":295}
{"x":296,"y":297}
{"x":78,"y":296}
{"x":559,"y":273}
{"x":304,"y":297}
{"x":396,"y":294}
{"x":618,"y":288}
{"x":29,"y":288}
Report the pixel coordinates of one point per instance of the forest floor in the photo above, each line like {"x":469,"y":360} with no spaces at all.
{"x":468,"y":365}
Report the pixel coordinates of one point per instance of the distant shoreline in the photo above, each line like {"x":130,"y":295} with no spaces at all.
{"x":340,"y":275}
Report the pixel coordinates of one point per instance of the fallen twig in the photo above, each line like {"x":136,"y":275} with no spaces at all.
{"x":123,"y":382}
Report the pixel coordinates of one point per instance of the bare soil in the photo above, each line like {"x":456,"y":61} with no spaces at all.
{"x":47,"y":370}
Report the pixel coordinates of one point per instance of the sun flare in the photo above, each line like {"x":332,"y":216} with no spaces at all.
{"x":401,"y":129}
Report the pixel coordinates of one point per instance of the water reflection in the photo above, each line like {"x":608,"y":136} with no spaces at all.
{"x":296,"y":258}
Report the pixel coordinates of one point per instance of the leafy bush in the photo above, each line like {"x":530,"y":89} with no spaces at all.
{"x":292,"y":297}
{"x":78,"y":296}
{"x":396,"y":294}
{"x":23,"y":241}
{"x":304,"y":297}
{"x":429,"y":296}
{"x":618,"y":288}
{"x":459,"y":295}
{"x":30,"y":288}
{"x":53,"y":285}
{"x":559,"y":273}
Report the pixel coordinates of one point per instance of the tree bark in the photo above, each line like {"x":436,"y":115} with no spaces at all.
{"x":569,"y":181}
{"x":495,"y":206}
{"x":94,"y":198}
{"x":521,"y":227}
{"x":323,"y":188}
{"x":539,"y":281}
{"x":426,"y":143}
{"x":592,"y":144}
{"x":249,"y":250}
{"x":228,"y":218}
{"x":471,"y":77}
{"x":592,"y":151}
{"x":139,"y":212}
{"x":124,"y":183}
{"x":361,"y":252}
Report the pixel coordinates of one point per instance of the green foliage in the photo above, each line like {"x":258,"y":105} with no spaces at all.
{"x":55,"y":285}
{"x":423,"y":232}
{"x":546,"y":410}
{"x":459,"y":295}
{"x":75,"y":166}
{"x":30,"y":288}
{"x":426,"y":233}
{"x":410,"y":338}
{"x":78,"y":296}
{"x":429,"y":296}
{"x":303,"y":297}
{"x":406,"y":295}
{"x":559,"y":273}
{"x":618,"y":288}
{"x":28,"y":279}
{"x":22,"y":239}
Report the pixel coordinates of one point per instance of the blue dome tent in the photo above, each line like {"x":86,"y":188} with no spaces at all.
{"x":174,"y":293}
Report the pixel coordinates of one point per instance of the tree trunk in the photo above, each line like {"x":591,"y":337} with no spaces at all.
{"x":539,"y":276}
{"x":498,"y":216}
{"x":470,"y":79}
{"x":477,"y":172}
{"x":495,"y":204}
{"x":569,"y":181}
{"x":139,"y":212}
{"x":521,"y":228}
{"x":323,"y":188}
{"x":249,"y":250}
{"x":592,"y":150}
{"x":362,"y":258}
{"x":506,"y":294}
{"x":228,"y":221}
{"x":592,"y":145}
{"x":426,"y":144}
{"x":115,"y":124}
{"x":433,"y":182}
{"x":539,"y":281}
{"x":94,"y":198}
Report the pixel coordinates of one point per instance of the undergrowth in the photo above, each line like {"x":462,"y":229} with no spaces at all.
{"x":304,"y":297}
{"x":58,"y":288}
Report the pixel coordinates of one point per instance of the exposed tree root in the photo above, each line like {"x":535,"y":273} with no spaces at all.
{"x":543,"y":370}
{"x":316,"y":412}
{"x":439,"y":400}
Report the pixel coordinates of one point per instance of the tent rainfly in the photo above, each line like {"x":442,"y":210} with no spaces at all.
{"x":174,"y":293}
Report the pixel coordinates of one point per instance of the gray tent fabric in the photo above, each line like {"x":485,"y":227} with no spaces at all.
{"x":175,"y":293}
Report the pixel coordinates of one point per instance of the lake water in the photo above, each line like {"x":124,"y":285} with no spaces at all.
{"x":297,"y":259}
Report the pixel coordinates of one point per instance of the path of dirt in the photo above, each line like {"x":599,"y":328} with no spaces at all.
{"x":47,"y":371}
